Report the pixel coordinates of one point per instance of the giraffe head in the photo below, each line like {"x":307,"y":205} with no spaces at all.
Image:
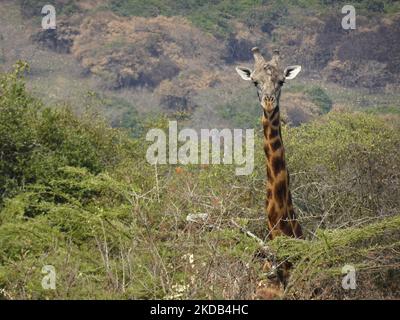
{"x":268,"y":77}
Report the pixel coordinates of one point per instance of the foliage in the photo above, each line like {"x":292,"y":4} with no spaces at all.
{"x":212,"y":16}
{"x":319,"y":97}
{"x":215,"y":15}
{"x":382,"y":110}
{"x":369,"y":249}
{"x":34,"y":7}
{"x":241,"y":112}
{"x":35,"y":141}
{"x":346,"y":168}
{"x":80,"y":196}
{"x":132,"y":121}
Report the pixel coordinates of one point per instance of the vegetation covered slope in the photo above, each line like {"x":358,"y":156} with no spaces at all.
{"x":170,"y":56}
{"x":80,"y":196}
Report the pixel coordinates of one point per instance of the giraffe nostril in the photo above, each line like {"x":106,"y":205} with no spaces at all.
{"x":270,"y":99}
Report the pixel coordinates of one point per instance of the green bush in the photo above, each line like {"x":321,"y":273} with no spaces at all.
{"x":80,"y":196}
{"x":369,"y":249}
{"x":345,"y":165}
{"x":34,"y":7}
{"x":376,"y":6}
{"x":212,"y":16}
{"x":242,"y":112}
{"x":36,"y":141}
{"x":319,"y":97}
{"x":382,"y":110}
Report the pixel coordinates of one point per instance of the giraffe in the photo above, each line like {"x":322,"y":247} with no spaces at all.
{"x":269,"y":77}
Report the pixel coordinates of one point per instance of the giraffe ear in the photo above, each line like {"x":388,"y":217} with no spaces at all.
{"x":291,"y":72}
{"x":244,"y":73}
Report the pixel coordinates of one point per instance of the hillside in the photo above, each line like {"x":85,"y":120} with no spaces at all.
{"x":165,"y":57}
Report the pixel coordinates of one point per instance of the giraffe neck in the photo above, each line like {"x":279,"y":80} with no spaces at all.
{"x":279,"y":206}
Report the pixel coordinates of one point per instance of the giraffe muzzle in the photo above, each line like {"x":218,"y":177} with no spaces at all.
{"x":269,"y":104}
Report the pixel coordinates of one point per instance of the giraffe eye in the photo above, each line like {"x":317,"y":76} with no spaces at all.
{"x":281,"y":82}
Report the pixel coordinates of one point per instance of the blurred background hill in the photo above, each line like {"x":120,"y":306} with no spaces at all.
{"x":178,"y":57}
